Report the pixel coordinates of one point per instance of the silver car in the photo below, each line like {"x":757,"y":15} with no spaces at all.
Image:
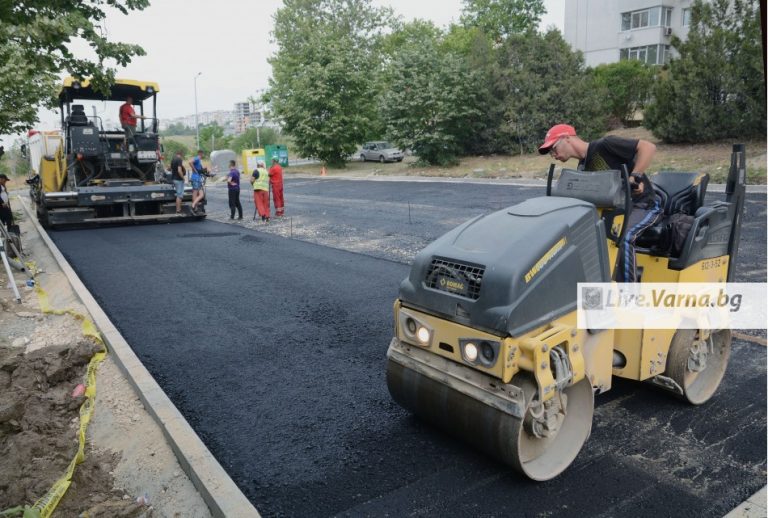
{"x":381,"y":151}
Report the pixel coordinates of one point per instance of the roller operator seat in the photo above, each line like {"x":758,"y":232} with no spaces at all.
{"x":679,"y":193}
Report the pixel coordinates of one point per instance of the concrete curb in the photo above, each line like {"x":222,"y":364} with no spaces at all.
{"x":218,"y":490}
{"x":753,"y":507}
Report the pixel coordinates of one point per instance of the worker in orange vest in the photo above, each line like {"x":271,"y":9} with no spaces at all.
{"x":276,"y":182}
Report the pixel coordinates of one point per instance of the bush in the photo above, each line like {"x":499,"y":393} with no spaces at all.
{"x":170,"y":147}
{"x":540,"y":82}
{"x":626,"y":86}
{"x":715,"y":89}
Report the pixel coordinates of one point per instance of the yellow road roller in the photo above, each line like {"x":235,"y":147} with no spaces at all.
{"x":487,"y":345}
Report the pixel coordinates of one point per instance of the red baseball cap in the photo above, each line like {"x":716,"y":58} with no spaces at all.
{"x":555,"y":133}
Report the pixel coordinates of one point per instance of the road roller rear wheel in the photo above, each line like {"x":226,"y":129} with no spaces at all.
{"x":697,"y":361}
{"x":540,"y":446}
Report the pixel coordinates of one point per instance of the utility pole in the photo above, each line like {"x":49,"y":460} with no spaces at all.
{"x":197,"y":126}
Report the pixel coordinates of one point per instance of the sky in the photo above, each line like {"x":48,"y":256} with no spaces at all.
{"x":230,"y":44}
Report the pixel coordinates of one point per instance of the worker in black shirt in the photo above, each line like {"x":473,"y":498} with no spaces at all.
{"x":612,"y":152}
{"x":178,"y":174}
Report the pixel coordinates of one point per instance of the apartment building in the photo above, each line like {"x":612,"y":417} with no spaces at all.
{"x":607,"y":31}
{"x":248,"y":115}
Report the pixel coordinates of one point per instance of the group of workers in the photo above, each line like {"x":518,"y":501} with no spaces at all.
{"x":263,"y":182}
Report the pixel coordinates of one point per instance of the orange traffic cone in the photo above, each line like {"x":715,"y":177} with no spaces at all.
{"x":322,"y":171}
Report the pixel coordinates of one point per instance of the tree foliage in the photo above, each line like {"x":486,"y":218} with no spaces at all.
{"x":715,"y":89}
{"x":501,"y":18}
{"x":170,"y":147}
{"x":177,"y":128}
{"x":540,"y":82}
{"x":212,"y":137}
{"x":626,"y":86}
{"x":324,"y":74}
{"x":431,"y":105}
{"x":252,"y":138}
{"x":35,"y":46}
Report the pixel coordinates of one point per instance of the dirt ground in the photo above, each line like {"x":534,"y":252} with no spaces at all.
{"x":129,"y":470}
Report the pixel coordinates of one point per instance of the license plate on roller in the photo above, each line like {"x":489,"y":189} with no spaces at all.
{"x":146,"y":155}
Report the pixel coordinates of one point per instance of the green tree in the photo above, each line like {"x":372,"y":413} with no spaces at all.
{"x":324,"y":73}
{"x":501,"y":18}
{"x":253,"y":138}
{"x":170,"y":147}
{"x":539,"y":81}
{"x":178,"y":128}
{"x":211,"y":136}
{"x":431,"y":105}
{"x":626,"y":86}
{"x":715,"y":89}
{"x":35,"y":41}
{"x":479,"y":52}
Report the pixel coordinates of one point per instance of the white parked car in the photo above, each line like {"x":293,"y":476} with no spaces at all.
{"x":380,"y":151}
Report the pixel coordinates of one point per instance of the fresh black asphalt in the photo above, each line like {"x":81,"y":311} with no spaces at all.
{"x":274,"y":351}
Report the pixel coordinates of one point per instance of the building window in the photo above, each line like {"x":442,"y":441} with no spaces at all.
{"x":652,"y":17}
{"x":686,"y":17}
{"x":651,"y":54}
{"x":667,"y":16}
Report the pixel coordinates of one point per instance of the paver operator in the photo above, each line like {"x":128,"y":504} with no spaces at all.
{"x":128,"y":120}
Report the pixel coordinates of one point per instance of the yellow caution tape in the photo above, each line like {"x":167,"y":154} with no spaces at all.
{"x":45,"y":506}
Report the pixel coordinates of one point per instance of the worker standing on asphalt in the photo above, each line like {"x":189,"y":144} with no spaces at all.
{"x":276,"y":182}
{"x":196,"y":179}
{"x":260,"y":182}
{"x":177,"y":174}
{"x":233,"y":189}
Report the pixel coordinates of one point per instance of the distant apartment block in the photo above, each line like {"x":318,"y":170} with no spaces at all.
{"x":223,"y":118}
{"x":607,"y":31}
{"x":245,"y":115}
{"x":248,"y":115}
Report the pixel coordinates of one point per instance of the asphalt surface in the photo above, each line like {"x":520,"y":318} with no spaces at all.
{"x":274,"y":350}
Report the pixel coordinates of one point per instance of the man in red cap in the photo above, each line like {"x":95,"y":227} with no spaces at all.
{"x":613,"y":152}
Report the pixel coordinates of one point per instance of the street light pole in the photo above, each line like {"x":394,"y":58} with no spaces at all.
{"x":197,"y":126}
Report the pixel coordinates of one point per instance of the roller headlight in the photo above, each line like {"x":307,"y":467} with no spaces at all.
{"x":479,"y":352}
{"x":414,"y":331}
{"x":470,"y":352}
